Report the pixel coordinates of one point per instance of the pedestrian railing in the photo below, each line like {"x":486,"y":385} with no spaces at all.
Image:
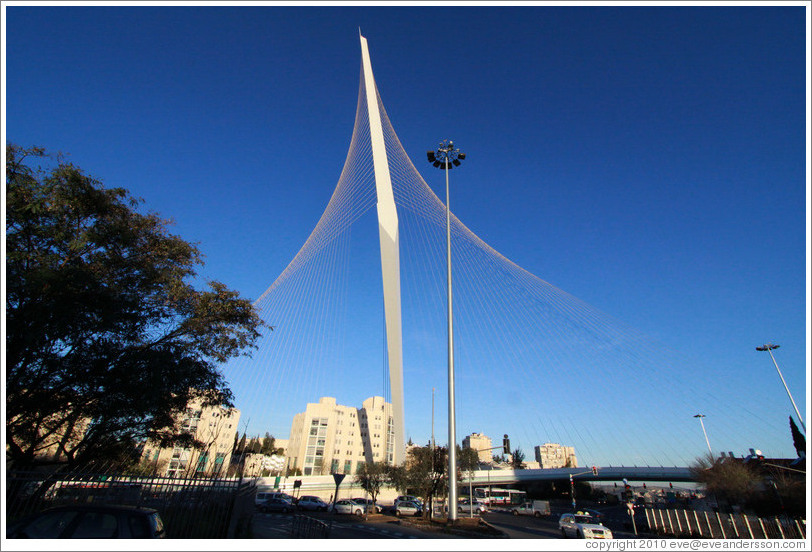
{"x":189,"y":507}
{"x":682,"y":523}
{"x":306,"y":527}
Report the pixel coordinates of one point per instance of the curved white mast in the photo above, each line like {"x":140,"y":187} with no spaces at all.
{"x":390,"y":256}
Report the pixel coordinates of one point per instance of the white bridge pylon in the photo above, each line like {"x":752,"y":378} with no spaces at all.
{"x":520,"y":343}
{"x":390,"y":257}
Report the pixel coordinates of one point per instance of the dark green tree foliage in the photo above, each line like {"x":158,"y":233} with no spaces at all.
{"x":467,"y":460}
{"x":423,"y":474}
{"x":103,"y":329}
{"x":518,"y":460}
{"x":798,"y":439}
{"x":268,"y":445}
{"x":371,"y":477}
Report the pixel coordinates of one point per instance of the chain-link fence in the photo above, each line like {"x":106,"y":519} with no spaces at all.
{"x":190,"y":508}
{"x":714,"y":525}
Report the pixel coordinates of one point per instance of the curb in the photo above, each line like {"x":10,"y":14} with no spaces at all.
{"x":502,"y":534}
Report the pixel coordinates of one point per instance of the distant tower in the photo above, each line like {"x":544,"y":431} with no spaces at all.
{"x":481,"y":444}
{"x":390,"y":256}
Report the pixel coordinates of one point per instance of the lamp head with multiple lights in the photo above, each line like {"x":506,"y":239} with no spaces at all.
{"x":767,"y":347}
{"x":446,"y":156}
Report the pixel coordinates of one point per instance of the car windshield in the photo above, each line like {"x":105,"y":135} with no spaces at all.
{"x":584,"y":519}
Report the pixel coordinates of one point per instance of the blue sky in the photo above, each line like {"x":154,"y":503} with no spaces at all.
{"x":649,"y":160}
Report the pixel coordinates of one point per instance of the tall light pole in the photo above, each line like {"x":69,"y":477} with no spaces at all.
{"x":700,"y":416}
{"x":431,"y":502}
{"x":769,"y":348}
{"x":446,"y":156}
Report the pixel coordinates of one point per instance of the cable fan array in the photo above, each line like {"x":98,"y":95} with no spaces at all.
{"x":531,"y":360}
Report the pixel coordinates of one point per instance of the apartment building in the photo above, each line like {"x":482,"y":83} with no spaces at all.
{"x":332,"y":438}
{"x":553,"y":455}
{"x":480,"y":443}
{"x":214,"y":426}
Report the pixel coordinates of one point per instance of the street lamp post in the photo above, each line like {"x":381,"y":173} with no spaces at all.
{"x":769,"y":348}
{"x":700,"y":416}
{"x":446,"y":156}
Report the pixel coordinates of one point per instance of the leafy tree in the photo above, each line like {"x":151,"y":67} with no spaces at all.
{"x":798,"y":439}
{"x":107,"y":341}
{"x":254,"y":446}
{"x":372,"y":476}
{"x":467,"y":460}
{"x":423,"y":474}
{"x":726,"y":478}
{"x":468,"y":463}
{"x":518,"y":460}
{"x":268,"y":445}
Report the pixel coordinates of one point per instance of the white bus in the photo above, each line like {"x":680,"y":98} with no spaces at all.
{"x":492,"y":496}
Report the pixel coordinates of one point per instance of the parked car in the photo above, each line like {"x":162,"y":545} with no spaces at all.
{"x":312,"y":503}
{"x":86,"y":521}
{"x":369,"y":504}
{"x":582,"y":526}
{"x":349,"y":506}
{"x":408,"y":508}
{"x":407,"y":498}
{"x":466,"y":507}
{"x":262,"y":497}
{"x":276,"y":505}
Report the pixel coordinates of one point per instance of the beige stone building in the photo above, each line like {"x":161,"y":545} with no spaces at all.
{"x":553,"y":455}
{"x":57,"y":436}
{"x":331,"y":438}
{"x":480,"y":443}
{"x":214,"y":426}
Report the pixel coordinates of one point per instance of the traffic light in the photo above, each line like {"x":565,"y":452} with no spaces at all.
{"x":594,"y":470}
{"x":506,"y":444}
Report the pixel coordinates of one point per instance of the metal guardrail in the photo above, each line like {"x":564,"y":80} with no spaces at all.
{"x":306,"y":527}
{"x":682,"y":523}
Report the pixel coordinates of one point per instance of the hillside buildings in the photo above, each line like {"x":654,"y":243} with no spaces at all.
{"x":214,"y":426}
{"x":553,"y":455}
{"x":331,"y":438}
